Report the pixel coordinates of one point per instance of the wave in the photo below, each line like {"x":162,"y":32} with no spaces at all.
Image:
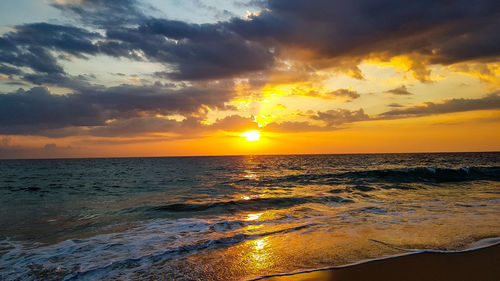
{"x":148,"y":260}
{"x":254,"y":204}
{"x":104,"y":256}
{"x":430,"y":174}
{"x":402,"y":175}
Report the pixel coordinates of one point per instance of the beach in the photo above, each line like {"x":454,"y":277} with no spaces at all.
{"x":477,"y":264}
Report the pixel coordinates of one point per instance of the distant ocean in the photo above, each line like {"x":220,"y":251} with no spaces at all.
{"x":237,"y":218}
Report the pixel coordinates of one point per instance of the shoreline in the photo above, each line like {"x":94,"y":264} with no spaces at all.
{"x":480,"y":262}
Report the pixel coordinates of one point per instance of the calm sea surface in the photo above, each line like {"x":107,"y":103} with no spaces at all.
{"x":237,"y":218}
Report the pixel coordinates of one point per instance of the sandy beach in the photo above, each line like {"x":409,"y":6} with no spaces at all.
{"x":477,"y":264}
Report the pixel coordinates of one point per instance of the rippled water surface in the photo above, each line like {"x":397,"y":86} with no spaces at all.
{"x":237,"y":218}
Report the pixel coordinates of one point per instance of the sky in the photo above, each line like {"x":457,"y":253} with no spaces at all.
{"x":126,"y":78}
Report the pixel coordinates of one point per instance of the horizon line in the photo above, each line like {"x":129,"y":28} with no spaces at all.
{"x":243,"y":155}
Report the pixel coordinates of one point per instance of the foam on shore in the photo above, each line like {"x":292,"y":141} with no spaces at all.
{"x":479,"y":262}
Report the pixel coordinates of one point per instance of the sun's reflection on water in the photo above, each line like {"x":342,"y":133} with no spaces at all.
{"x":253,"y":217}
{"x":259,"y":244}
{"x":250,"y":175}
{"x":260,"y":254}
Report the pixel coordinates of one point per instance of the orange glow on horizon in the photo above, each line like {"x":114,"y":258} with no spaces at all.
{"x":453,"y":132}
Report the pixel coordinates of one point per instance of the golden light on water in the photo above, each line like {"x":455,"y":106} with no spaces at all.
{"x":260,"y":255}
{"x":251,"y":135}
{"x":259,"y":244}
{"x":253,"y":217}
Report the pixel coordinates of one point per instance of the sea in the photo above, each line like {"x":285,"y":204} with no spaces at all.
{"x":238,"y":217}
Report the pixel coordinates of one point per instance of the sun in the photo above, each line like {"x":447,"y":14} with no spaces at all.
{"x":251,"y":135}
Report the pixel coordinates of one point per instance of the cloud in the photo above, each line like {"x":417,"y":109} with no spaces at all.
{"x":296,"y":126}
{"x":155,"y":126}
{"x":49,"y":150}
{"x":330,"y":119}
{"x":8,"y":70}
{"x":234,"y":123}
{"x":136,"y":126}
{"x":72,"y":40}
{"x":202,"y":58}
{"x":104,"y":13}
{"x":401,"y":91}
{"x":344,"y":93}
{"x":491,"y":101}
{"x":5,"y":141}
{"x":315,"y":90}
{"x":194,"y":52}
{"x":435,"y":31}
{"x":38,"y":111}
{"x":207,"y":51}
{"x":30,"y":45}
{"x":439,"y":32}
{"x":36,"y":58}
{"x":336,"y":117}
{"x":121,"y":141}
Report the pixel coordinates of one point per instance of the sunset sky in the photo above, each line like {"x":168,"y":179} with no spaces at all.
{"x":96,"y":78}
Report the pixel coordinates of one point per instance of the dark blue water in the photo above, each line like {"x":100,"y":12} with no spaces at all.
{"x":233,"y":218}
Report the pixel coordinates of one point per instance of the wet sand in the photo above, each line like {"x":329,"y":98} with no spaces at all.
{"x":475,"y":265}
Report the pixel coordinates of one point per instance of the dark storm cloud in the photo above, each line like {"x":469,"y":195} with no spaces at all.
{"x":159,"y":99}
{"x":36,"y":58}
{"x":135,"y":126}
{"x":447,"y":31}
{"x":9,"y":70}
{"x":207,"y":51}
{"x":38,"y":111}
{"x":72,"y":40}
{"x":26,"y":112}
{"x":30,"y":45}
{"x":491,"y":101}
{"x":442,"y":31}
{"x":58,"y":79}
{"x":204,"y":51}
{"x":401,"y":91}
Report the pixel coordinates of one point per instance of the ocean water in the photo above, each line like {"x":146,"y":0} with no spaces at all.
{"x":237,"y":218}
